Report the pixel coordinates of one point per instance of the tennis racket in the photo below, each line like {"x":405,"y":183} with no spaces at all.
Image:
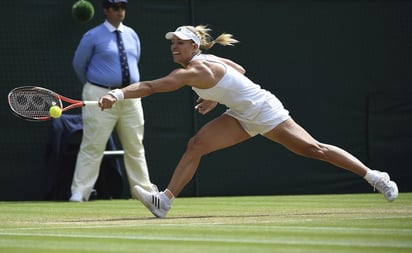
{"x":33,"y":103}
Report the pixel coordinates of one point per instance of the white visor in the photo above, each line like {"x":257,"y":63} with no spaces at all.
{"x":183,"y":33}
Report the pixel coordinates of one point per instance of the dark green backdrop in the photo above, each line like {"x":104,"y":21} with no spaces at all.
{"x":342,"y":68}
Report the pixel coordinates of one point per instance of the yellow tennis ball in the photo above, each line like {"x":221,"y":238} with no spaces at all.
{"x":55,"y":111}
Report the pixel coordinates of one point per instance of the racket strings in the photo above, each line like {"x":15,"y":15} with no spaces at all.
{"x":33,"y":103}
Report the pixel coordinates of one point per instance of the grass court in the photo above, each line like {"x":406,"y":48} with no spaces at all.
{"x":300,"y":223}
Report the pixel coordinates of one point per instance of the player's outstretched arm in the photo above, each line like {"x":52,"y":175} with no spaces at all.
{"x":174,"y":81}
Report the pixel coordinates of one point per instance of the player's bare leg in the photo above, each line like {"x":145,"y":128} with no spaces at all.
{"x":295,"y":138}
{"x":298,"y":140}
{"x":219,"y":133}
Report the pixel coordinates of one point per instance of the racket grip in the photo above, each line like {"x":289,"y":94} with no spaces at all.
{"x":95,"y":103}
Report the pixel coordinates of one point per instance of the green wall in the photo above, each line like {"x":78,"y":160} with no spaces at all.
{"x":342,"y":68}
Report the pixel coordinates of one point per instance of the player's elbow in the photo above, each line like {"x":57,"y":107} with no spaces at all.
{"x":148,"y":88}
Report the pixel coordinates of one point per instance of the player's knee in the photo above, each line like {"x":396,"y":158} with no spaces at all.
{"x":196,"y":146}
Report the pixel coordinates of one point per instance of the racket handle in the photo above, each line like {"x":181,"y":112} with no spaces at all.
{"x":91,"y":103}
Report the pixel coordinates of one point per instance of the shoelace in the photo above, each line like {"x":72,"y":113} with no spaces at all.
{"x":382,"y":184}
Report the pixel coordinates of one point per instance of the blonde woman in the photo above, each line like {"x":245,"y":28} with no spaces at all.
{"x":251,"y":111}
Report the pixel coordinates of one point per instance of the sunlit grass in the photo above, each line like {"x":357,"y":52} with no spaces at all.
{"x":305,"y":223}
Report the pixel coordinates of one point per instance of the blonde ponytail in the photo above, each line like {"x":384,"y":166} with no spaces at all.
{"x":207,"y":41}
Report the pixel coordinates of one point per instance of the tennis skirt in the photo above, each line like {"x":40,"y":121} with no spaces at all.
{"x":269,"y":115}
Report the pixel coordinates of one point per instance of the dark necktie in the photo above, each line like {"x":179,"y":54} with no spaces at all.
{"x":123,"y":59}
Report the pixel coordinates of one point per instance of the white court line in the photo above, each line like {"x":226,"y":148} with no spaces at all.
{"x":224,"y":225}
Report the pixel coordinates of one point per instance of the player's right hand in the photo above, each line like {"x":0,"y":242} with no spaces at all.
{"x":107,"y":102}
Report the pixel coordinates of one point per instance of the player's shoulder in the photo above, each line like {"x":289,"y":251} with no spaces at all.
{"x":198,"y":67}
{"x":196,"y":64}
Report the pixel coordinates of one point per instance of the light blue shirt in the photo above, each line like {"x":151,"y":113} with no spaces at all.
{"x":97,"y":59}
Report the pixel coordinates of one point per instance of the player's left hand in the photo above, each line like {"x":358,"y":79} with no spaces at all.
{"x":205,"y":106}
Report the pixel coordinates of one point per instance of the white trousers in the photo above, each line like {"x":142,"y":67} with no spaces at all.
{"x":126,"y":117}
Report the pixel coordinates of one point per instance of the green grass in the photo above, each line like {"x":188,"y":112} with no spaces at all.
{"x":307,"y":223}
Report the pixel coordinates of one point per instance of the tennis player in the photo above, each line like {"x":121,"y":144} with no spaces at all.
{"x":251,"y":111}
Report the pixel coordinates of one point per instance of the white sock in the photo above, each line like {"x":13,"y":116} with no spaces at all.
{"x":171,"y":194}
{"x":371,"y":176}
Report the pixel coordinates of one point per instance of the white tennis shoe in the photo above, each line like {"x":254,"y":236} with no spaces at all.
{"x":384,"y":185}
{"x":76,"y":197}
{"x":157,"y":202}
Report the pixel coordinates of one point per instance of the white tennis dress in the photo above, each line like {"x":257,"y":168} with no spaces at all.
{"x":257,"y":110}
